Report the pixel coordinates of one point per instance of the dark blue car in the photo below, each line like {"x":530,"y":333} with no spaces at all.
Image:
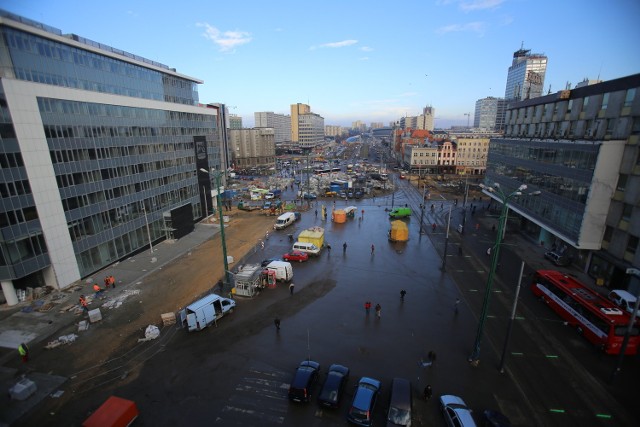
{"x":306,"y":375}
{"x":364,"y":400}
{"x":331,"y":391}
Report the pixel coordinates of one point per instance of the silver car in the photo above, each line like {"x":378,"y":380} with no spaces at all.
{"x":455,"y":411}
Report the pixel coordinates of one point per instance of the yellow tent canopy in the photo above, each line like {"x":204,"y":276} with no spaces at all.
{"x":399,"y":231}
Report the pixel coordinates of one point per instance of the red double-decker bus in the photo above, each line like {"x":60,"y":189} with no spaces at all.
{"x":598,"y":319}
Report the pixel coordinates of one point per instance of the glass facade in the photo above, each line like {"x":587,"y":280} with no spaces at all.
{"x":35,"y":59}
{"x":563,"y":172}
{"x":117,"y":167}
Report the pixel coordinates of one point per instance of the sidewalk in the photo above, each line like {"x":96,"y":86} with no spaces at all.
{"x":35,"y":322}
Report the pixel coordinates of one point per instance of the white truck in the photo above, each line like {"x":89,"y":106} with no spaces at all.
{"x":283,"y":270}
{"x":205,"y":311}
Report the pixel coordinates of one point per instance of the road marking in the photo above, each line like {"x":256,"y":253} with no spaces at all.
{"x":607,"y":416}
{"x":557,"y":411}
{"x":497,"y":291}
{"x":491,"y":316}
{"x":517,"y":354}
{"x":519,"y":318}
{"x":551,"y":356}
{"x":473,"y":290}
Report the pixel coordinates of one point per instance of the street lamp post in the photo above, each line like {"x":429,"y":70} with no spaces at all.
{"x":474,"y":358}
{"x":217,"y":175}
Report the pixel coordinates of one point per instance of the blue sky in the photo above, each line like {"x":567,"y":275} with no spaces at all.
{"x":358,"y":60}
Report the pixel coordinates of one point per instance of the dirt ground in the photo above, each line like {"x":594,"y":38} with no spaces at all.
{"x":163,"y":291}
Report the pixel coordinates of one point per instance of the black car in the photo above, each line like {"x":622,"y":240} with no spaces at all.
{"x":306,"y":375}
{"x":331,"y":392}
{"x":268,"y":261}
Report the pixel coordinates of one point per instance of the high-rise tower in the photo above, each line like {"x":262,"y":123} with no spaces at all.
{"x":526,"y":75}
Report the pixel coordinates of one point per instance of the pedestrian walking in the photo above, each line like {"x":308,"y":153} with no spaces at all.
{"x":262,"y":245}
{"x":367,"y":306}
{"x":107,"y":282}
{"x":316,"y":213}
{"x":455,"y":305}
{"x":378,"y":310}
{"x":432,"y":357}
{"x":291,"y":286}
{"x":24,"y":352}
{"x":276,"y":322}
{"x":493,"y":228}
{"x":402,"y":294}
{"x":220,"y":286}
{"x":344,"y":248}
{"x":373,"y":249}
{"x":489,"y":251}
{"x":83,"y":304}
{"x":328,"y":249}
{"x":112,"y":281}
{"x":433,"y":227}
{"x":427,"y":393}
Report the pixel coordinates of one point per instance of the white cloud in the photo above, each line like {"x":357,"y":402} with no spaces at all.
{"x":227,"y":40}
{"x":366,"y":49}
{"x":471,"y":27}
{"x":342,"y":43}
{"x":470,"y":6}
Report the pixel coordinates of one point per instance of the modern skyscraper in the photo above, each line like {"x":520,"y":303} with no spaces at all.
{"x":280,"y":123}
{"x":426,"y":119}
{"x":96,"y":143}
{"x":489,"y":114}
{"x":525,"y":79}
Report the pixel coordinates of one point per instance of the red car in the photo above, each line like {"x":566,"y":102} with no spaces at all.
{"x":296,"y":256}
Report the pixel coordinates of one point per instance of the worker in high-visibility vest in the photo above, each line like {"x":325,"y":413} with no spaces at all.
{"x":24,"y":352}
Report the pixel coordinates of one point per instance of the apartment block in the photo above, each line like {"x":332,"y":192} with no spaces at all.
{"x":252,"y":148}
{"x":280,"y":123}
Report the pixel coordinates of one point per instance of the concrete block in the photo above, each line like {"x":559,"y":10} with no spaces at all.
{"x":23,"y":389}
{"x":95,"y":315}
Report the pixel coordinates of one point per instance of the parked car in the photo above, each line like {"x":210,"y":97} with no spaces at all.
{"x":624,"y":299}
{"x":331,"y":392}
{"x":303,"y":380}
{"x":557,"y":259}
{"x":296,"y":256}
{"x":455,"y":411}
{"x":400,"y":403}
{"x":364,"y":400}
{"x":268,"y":261}
{"x":309,"y":196}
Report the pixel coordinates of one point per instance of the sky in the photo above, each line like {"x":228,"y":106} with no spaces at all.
{"x":367,"y":60}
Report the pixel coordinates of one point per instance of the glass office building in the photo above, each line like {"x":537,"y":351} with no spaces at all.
{"x":581,"y":149}
{"x":95,"y":143}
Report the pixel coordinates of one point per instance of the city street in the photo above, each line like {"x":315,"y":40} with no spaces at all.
{"x":238,"y":373}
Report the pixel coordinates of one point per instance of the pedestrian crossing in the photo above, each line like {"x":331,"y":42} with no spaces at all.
{"x":259,"y":399}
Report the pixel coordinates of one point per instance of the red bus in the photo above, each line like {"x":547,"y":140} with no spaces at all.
{"x":597,"y":318}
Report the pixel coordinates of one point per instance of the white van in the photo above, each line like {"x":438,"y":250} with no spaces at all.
{"x":283,"y":270}
{"x":307,"y":247}
{"x":284,"y":220}
{"x":623,"y":299}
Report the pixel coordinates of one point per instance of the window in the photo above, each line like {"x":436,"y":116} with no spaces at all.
{"x":605,"y":101}
{"x":626,"y":212}
{"x":632,"y":244}
{"x":585,"y":103}
{"x":631,"y":94}
{"x":622,"y":182}
{"x":608,"y":234}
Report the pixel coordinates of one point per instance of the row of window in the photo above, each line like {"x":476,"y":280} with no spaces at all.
{"x":575,"y":158}
{"x":88,"y":154}
{"x":17,"y":251}
{"x":18,"y":216}
{"x":14,"y":188}
{"x":115,"y":217}
{"x":69,"y":108}
{"x":89,"y":199}
{"x":11,"y":160}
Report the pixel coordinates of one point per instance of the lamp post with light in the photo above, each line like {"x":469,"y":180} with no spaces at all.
{"x":474,"y":358}
{"x":217,"y":176}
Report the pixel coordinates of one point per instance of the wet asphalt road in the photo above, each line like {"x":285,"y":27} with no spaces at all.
{"x":238,"y":374}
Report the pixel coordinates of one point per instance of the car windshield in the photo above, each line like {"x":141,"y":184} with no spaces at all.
{"x":399,"y":416}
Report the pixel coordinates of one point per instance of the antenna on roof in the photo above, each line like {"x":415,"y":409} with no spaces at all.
{"x":522,"y":45}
